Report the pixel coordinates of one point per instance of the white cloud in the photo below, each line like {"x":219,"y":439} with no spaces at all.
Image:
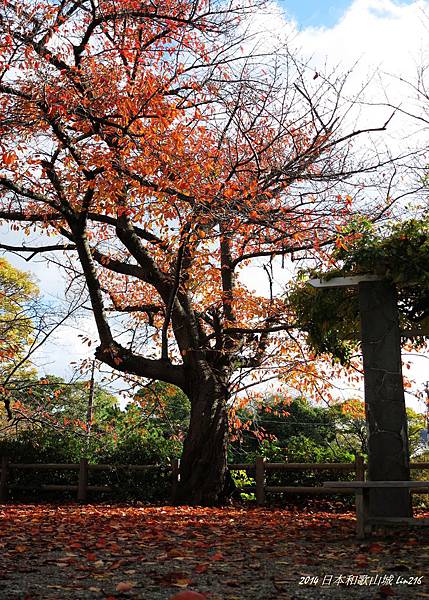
{"x":382,"y":35}
{"x":382,"y":31}
{"x":393,"y":39}
{"x":66,"y":347}
{"x":380,"y":44}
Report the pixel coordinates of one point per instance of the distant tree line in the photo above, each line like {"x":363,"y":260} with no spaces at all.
{"x":50,"y":425}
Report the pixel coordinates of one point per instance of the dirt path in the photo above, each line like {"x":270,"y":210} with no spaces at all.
{"x":117,"y":552}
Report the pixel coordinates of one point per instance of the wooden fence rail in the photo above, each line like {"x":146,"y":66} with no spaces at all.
{"x":258,"y":470}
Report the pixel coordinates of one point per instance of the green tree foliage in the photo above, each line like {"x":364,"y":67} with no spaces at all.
{"x":53,"y":429}
{"x":351,"y":432}
{"x":19,"y":298}
{"x":150,"y":430}
{"x":65,"y":402}
{"x":299,"y":432}
{"x":167,"y":407}
{"x":294,"y":431}
{"x":17,"y":294}
{"x":399,"y":253}
{"x":276,"y":424}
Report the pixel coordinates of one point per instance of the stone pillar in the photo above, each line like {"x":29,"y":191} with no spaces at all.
{"x":388,"y":455}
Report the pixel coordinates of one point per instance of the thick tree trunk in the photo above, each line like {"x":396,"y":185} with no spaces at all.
{"x":388,"y":458}
{"x":203,"y":466}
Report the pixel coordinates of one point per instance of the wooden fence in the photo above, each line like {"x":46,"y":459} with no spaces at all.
{"x":257,"y":470}
{"x":82,"y":487}
{"x":358,"y":467}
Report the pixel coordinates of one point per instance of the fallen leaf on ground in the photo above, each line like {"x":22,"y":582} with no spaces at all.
{"x":125,"y":586}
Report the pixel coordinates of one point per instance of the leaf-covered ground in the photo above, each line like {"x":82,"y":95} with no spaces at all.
{"x":153,"y":553}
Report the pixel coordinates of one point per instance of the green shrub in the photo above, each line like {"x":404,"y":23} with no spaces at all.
{"x":41,"y":445}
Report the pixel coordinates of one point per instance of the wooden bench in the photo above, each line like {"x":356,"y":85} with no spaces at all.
{"x":364,"y":522}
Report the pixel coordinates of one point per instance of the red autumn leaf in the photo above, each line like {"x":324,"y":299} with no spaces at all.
{"x":177,"y":579}
{"x":361,"y":560}
{"x":217,"y":556}
{"x":201,"y":568}
{"x":174,"y":552}
{"x":260,"y":536}
{"x":8,"y":158}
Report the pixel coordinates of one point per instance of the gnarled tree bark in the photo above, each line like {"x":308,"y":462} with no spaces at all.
{"x":203,"y":465}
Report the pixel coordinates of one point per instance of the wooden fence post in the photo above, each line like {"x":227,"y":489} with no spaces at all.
{"x":175,"y":469}
{"x":82,"y":488}
{"x":3,"y":478}
{"x":359,"y":467}
{"x":260,"y":480}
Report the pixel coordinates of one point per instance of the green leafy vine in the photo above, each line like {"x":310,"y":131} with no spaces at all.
{"x":399,"y":253}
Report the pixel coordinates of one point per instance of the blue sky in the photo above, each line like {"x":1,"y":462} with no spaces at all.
{"x":320,"y":13}
{"x":313,"y":13}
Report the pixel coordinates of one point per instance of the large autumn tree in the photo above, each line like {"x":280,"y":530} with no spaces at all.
{"x":165,"y":150}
